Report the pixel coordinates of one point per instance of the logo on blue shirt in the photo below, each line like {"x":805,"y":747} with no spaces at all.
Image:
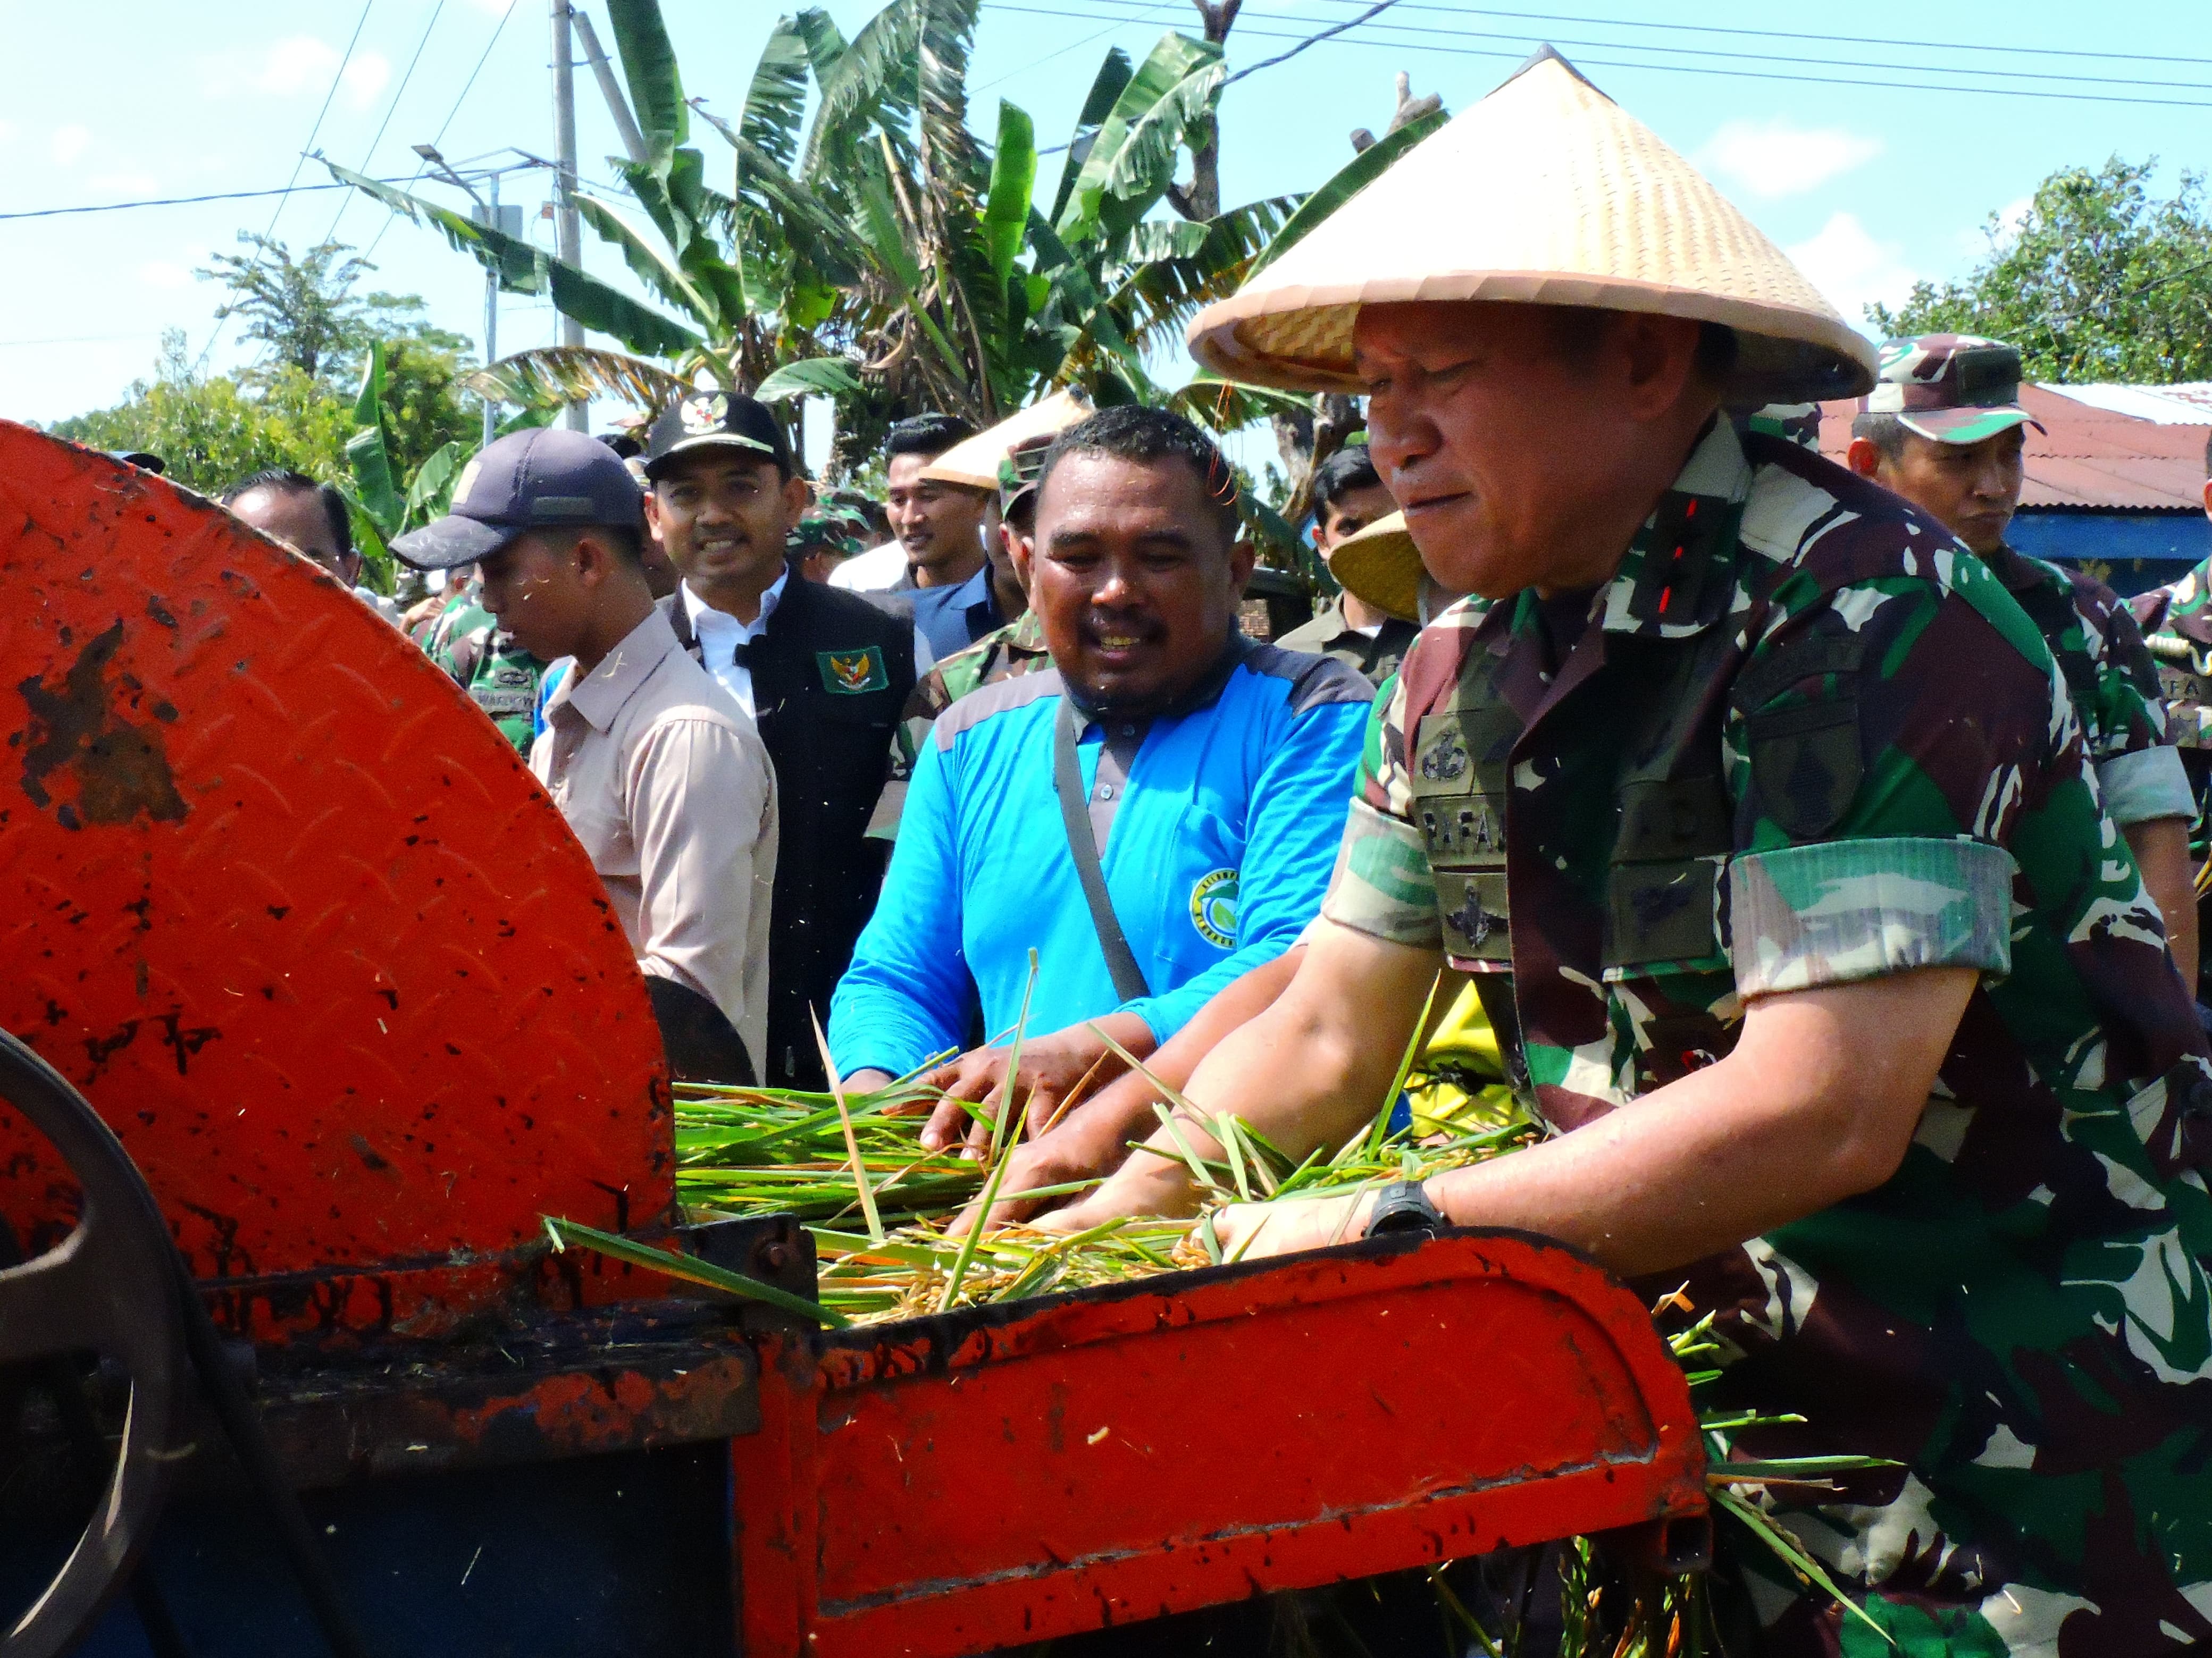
{"x":1213,"y":907}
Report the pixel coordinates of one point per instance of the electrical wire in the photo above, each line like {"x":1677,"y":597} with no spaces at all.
{"x":1369,"y":15}
{"x":1704,"y":50}
{"x":390,"y":110}
{"x":483,"y":59}
{"x":1433,"y":9}
{"x":1779,"y":35}
{"x":180,"y":201}
{"x":338,"y":76}
{"x":1429,"y":40}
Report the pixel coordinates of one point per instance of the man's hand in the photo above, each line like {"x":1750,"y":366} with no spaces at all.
{"x":1246,"y":1231}
{"x":1304,"y":1072}
{"x":1059,"y":1159}
{"x":1052,"y":1067}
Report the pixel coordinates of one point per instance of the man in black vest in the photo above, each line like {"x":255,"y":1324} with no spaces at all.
{"x":825,"y":674}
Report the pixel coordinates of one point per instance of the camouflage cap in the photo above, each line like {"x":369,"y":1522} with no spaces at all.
{"x":1949,"y":388}
{"x":828,"y":528}
{"x":1019,"y":469}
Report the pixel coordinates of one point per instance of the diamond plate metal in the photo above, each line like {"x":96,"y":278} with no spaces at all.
{"x":286,"y":906}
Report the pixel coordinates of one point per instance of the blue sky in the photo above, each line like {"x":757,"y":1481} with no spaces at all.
{"x":1868,"y":185}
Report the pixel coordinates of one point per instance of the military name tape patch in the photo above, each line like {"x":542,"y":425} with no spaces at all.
{"x":1213,"y":907}
{"x":851,"y":673}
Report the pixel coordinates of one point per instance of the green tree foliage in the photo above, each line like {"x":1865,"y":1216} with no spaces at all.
{"x":872,"y":248}
{"x":2101,"y":281}
{"x":307,"y":312}
{"x":210,"y":430}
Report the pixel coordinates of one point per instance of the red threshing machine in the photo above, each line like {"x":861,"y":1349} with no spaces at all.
{"x":350,"y":1003}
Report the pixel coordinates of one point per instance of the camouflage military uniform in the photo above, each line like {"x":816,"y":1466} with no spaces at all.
{"x":2112,"y":679}
{"x":1802,"y":738}
{"x":2177,"y":622}
{"x":500,"y":676}
{"x":1006,"y":652}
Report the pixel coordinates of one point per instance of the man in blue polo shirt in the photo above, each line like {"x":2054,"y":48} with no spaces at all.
{"x":1209,"y":773}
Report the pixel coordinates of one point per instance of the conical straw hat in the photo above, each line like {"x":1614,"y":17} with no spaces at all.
{"x":973,"y":463}
{"x":1381,"y":565}
{"x":1548,"y":192}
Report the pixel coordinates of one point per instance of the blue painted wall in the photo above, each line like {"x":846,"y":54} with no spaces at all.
{"x":2129,"y":552}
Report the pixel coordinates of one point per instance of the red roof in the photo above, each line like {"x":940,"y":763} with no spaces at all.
{"x":2089,"y":459}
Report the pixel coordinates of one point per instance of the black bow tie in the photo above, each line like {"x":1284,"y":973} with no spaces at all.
{"x":745,"y":653}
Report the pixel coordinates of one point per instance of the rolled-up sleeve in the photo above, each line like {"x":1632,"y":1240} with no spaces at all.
{"x":1837,"y":911}
{"x":2145,"y":785}
{"x":701,"y":809}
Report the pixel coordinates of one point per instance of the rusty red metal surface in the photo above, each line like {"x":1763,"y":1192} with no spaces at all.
{"x":949,"y":1486}
{"x":284,"y":906}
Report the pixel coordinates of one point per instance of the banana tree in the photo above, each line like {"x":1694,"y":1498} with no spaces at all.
{"x":879,"y":253}
{"x":381,"y":506}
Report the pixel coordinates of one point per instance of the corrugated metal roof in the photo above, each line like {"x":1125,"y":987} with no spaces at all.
{"x":2105,"y":448}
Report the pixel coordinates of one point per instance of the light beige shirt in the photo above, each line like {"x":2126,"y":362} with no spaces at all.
{"x":664,"y":780}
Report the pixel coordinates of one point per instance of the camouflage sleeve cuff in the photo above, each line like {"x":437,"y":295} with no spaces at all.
{"x":1837,"y":911}
{"x":2147,"y":784}
{"x":1382,"y":885}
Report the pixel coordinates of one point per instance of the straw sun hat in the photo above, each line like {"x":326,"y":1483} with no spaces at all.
{"x":1381,"y":565}
{"x":1547,"y":192}
{"x":973,"y":463}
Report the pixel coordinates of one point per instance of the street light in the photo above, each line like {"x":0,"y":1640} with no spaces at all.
{"x":506,"y":219}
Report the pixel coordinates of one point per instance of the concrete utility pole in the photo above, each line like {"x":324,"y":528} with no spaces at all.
{"x":610,"y":89}
{"x":568,"y":232}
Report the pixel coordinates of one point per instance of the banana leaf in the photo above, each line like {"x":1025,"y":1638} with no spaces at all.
{"x":431,"y":489}
{"x":369,"y":452}
{"x":656,"y":89}
{"x":554,"y":376}
{"x":822,"y":377}
{"x":1106,"y":86}
{"x":652,"y":267}
{"x":1013,"y":179}
{"x":523,"y":269}
{"x":1133,"y":157}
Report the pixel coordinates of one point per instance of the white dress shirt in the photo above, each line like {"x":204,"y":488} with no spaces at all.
{"x":719,"y":634}
{"x":875,"y":571}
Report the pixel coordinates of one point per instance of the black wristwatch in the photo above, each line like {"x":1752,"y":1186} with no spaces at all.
{"x":1404,"y":1206}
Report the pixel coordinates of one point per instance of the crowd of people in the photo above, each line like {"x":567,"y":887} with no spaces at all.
{"x":1815,"y":865}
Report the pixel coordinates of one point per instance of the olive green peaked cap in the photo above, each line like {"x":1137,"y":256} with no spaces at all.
{"x":1547,"y":192}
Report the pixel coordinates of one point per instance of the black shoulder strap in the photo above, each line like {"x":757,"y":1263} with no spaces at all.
{"x":1075,"y":813}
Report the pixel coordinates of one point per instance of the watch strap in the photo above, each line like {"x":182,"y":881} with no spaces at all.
{"x":1404,"y":1206}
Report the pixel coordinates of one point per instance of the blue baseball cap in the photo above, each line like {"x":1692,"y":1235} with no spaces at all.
{"x":546,"y":478}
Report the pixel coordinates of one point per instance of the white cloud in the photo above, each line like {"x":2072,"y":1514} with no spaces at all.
{"x":163,"y":273}
{"x":365,"y":77}
{"x":7,"y":132}
{"x":300,"y":65}
{"x":125,"y":184}
{"x":69,"y":142}
{"x":1853,"y":270}
{"x":1773,"y":159}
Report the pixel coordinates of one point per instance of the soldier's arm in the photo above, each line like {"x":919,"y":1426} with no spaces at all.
{"x":2141,"y":776}
{"x":1306,"y":1072}
{"x":2161,"y":852}
{"x":1817,"y":1102}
